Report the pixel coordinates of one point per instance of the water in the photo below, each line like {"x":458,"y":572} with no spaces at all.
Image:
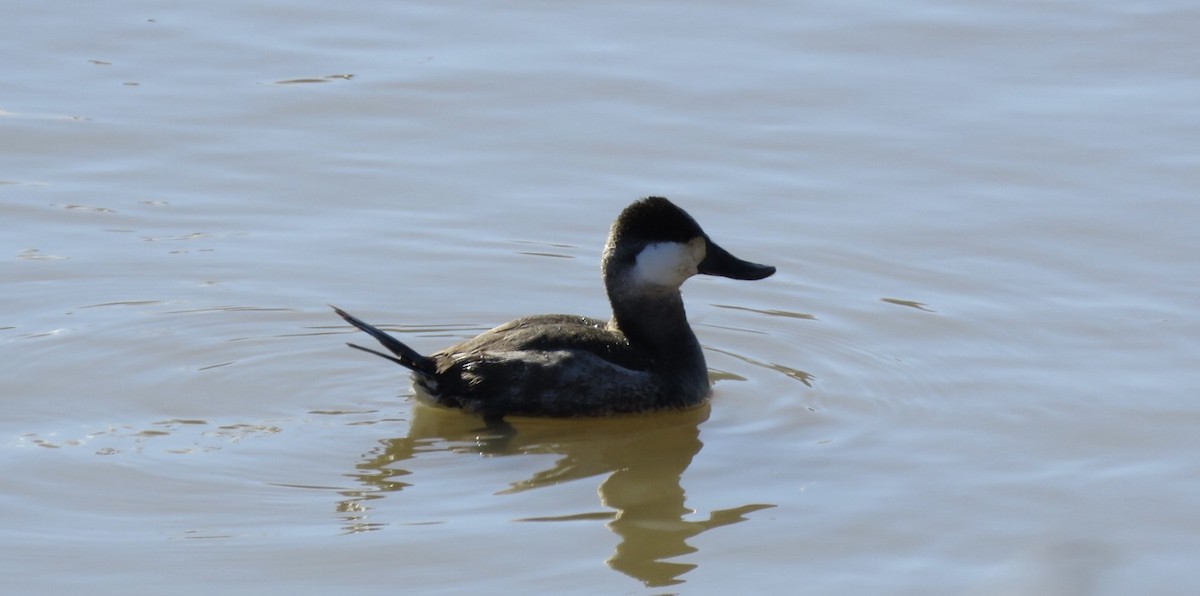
{"x":973,"y":374}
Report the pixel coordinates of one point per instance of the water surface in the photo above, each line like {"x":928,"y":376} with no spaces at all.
{"x":973,"y":374}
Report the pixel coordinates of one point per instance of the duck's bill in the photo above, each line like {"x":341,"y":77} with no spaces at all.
{"x":718,"y":261}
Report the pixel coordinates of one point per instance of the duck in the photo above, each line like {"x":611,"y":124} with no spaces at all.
{"x":644,"y":358}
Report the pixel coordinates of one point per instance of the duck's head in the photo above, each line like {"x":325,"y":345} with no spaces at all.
{"x":654,"y":246}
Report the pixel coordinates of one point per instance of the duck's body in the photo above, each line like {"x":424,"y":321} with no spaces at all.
{"x":645,"y":358}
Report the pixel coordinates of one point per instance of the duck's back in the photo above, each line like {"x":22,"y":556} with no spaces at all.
{"x":550,"y":365}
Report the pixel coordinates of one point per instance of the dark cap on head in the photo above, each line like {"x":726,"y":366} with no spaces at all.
{"x":655,"y":219}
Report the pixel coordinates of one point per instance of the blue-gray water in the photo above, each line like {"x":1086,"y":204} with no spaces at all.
{"x":975,"y":372}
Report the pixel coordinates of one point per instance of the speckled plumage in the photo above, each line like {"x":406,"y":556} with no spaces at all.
{"x":645,"y":358}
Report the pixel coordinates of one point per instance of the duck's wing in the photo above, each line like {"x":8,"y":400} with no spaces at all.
{"x":548,"y":333}
{"x":548,"y":365}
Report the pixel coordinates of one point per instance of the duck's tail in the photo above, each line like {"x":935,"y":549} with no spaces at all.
{"x":404,"y":355}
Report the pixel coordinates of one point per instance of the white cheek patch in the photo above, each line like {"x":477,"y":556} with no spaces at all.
{"x":668,"y":263}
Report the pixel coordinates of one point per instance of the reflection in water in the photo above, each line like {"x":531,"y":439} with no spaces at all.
{"x":650,"y":511}
{"x":644,"y":457}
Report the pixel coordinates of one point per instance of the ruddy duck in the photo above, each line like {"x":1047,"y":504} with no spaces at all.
{"x":644,"y":358}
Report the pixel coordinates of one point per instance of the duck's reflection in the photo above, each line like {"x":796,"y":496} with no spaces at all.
{"x":643,"y":456}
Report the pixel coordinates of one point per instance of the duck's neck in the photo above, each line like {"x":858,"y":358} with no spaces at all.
{"x":656,"y":322}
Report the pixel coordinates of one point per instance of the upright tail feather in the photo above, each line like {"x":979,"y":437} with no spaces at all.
{"x":404,"y":355}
